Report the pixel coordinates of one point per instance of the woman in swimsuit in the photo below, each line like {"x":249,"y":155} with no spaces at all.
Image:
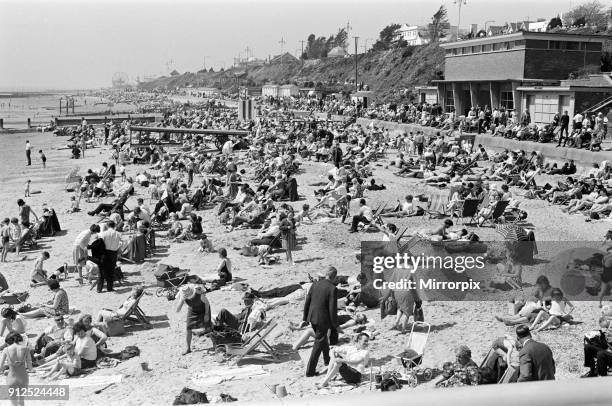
{"x":19,"y":361}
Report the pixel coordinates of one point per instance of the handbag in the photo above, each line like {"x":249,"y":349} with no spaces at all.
{"x":388,"y":307}
{"x":114,"y":327}
{"x":418,"y":310}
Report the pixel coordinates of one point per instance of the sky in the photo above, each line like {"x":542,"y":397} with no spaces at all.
{"x":69,"y":44}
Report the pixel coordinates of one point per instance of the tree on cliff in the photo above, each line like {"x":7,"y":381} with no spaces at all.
{"x":439,"y":25}
{"x":554,"y":23}
{"x":593,"y":14}
{"x":386,"y":38}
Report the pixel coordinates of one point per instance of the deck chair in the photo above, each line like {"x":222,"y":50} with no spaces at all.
{"x":463,"y":170}
{"x":417,"y":340}
{"x":437,"y":206}
{"x":135,"y":314}
{"x":497,"y":212}
{"x":257,"y":338}
{"x":469,"y":209}
{"x":376,"y":219}
{"x":407,"y":246}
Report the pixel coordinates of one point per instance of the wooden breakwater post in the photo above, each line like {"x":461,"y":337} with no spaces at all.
{"x":29,"y":123}
{"x":1,"y":123}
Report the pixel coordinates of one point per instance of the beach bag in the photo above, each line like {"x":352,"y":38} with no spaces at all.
{"x":418,"y":310}
{"x":165,"y":272}
{"x":114,"y":327}
{"x":221,"y":336}
{"x":190,"y":397}
{"x":388,"y":307}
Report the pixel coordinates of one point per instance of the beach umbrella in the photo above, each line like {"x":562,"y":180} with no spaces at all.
{"x":512,"y":232}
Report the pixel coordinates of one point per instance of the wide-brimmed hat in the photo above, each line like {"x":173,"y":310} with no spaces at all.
{"x":188,"y":292}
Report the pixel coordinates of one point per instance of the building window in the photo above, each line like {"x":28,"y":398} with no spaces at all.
{"x":509,"y":45}
{"x":486,"y":48}
{"x":477,"y":49}
{"x":507,"y":100}
{"x":449,"y":103}
{"x":543,"y":108}
{"x":573,"y":45}
{"x":497,"y":46}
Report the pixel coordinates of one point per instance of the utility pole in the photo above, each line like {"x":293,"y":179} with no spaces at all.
{"x":302,"y":54}
{"x":459,"y":4}
{"x":348,"y":28}
{"x":282,"y":42}
{"x":205,"y":56}
{"x":247,"y":50}
{"x":356,"y":85}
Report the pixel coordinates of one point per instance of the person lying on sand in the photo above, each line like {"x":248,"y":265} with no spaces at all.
{"x":346,"y":320}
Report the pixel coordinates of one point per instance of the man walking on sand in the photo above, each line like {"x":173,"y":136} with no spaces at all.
{"x":112,"y":243}
{"x":29,"y":152}
{"x":321,"y":311}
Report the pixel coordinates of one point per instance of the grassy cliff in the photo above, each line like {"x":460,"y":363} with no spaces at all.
{"x":386,"y":72}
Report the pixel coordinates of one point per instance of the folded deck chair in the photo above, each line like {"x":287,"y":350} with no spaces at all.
{"x":135,"y":314}
{"x":437,"y":206}
{"x":257,"y":339}
{"x":469,"y":209}
{"x":415,"y":345}
{"x":407,"y":246}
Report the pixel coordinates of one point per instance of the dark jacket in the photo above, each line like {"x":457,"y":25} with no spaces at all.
{"x":536,"y":362}
{"x":565,"y":120}
{"x":321,"y":307}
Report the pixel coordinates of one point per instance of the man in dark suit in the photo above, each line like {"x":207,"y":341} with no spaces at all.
{"x":321,"y":311}
{"x":564,"y":122}
{"x":535,"y":359}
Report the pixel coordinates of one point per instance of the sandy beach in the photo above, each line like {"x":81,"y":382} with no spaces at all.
{"x":453,"y":323}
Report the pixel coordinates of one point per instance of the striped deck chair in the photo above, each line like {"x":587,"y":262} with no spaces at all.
{"x":437,"y":206}
{"x":247,"y":348}
{"x":376,"y":219}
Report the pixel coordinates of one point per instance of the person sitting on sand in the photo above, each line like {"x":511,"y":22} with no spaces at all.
{"x":348,"y":361}
{"x":107,"y":314}
{"x":193,"y":230}
{"x":84,"y":346}
{"x":69,"y":365}
{"x":554,"y":314}
{"x":39,"y":275}
{"x":11,"y":322}
{"x":58,"y":306}
{"x":48,"y":342}
{"x":176,"y":227}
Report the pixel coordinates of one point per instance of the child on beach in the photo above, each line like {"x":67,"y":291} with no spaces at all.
{"x":39,"y":275}
{"x":27,"y":188}
{"x":69,"y":365}
{"x":5,"y":233}
{"x":43,"y":158}
{"x":206,"y":244}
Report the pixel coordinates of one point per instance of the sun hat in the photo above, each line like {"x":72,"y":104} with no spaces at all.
{"x":188,"y":292}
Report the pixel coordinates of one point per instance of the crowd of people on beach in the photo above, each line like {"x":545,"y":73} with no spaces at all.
{"x":252,"y":183}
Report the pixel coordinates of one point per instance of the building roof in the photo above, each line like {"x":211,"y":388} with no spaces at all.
{"x":336,"y":52}
{"x":557,"y":36}
{"x":289,"y":86}
{"x":600,"y":81}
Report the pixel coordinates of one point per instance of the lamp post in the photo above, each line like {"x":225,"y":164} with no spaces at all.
{"x":459,"y":3}
{"x":356,"y":85}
